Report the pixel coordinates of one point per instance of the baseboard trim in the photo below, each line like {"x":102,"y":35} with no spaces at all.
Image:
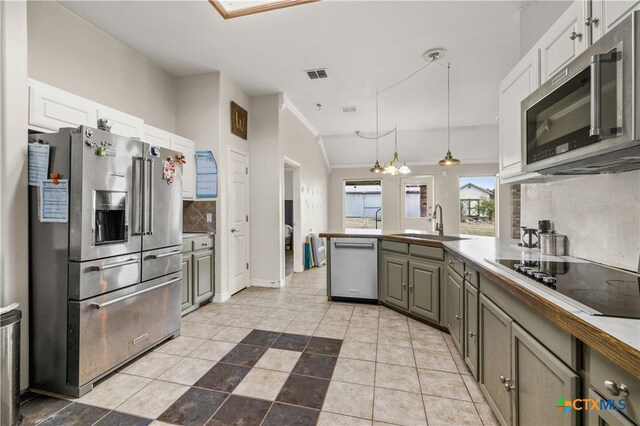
{"x":266,"y":283}
{"x":221,"y":298}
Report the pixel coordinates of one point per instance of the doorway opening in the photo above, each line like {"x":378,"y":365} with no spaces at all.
{"x":288,"y":219}
{"x":363,"y":204}
{"x":478,"y":205}
{"x":418,"y":194}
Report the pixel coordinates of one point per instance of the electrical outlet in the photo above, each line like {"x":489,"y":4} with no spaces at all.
{"x":209,"y":217}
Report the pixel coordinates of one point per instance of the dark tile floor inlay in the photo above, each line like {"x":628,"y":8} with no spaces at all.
{"x":116,"y":418}
{"x":324,"y":346}
{"x":291,"y":342}
{"x":194,"y":407}
{"x":223,"y":377}
{"x":282,"y":414}
{"x":244,"y":355}
{"x":260,"y":338}
{"x":76,"y":414}
{"x":240,"y":410}
{"x":35,"y":410}
{"x":315,"y":365}
{"x":305,"y":391}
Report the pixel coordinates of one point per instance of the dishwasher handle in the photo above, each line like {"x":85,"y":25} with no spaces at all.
{"x":368,"y":245}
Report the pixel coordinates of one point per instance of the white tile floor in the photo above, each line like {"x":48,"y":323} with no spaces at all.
{"x":390,"y":369}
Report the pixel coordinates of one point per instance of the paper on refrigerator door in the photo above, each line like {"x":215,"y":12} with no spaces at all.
{"x":38,"y":163}
{"x":54,"y":201}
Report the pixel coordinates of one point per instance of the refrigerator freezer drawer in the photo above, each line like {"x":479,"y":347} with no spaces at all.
{"x":157,"y":263}
{"x":108,"y":330}
{"x":354,"y":268}
{"x":89,"y":279}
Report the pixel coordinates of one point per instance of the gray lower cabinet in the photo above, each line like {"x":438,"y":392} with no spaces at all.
{"x":453,"y":296}
{"x":424,"y":289}
{"x":198,"y":272}
{"x":203,"y":269}
{"x":495,"y":357}
{"x":471,"y":328}
{"x":605,"y":417}
{"x":394,"y":274}
{"x":521,"y":378}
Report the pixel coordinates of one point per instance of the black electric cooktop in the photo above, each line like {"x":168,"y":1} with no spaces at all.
{"x":605,"y":291}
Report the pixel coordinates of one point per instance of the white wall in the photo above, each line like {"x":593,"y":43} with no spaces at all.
{"x":267,"y":215}
{"x":203,"y":115}
{"x":600,"y":215}
{"x":14,"y":238}
{"x":446,"y":193}
{"x":69,"y":53}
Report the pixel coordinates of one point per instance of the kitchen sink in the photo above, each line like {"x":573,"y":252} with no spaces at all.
{"x":431,"y":237}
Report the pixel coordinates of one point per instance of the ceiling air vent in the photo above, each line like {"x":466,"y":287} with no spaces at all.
{"x":349,"y":109}
{"x":317,"y":73}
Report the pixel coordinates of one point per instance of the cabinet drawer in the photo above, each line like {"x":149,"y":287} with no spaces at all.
{"x":471,"y":275}
{"x":601,"y":370}
{"x":401,"y":248}
{"x":200,"y":243}
{"x":426,"y":252}
{"x":455,"y":263}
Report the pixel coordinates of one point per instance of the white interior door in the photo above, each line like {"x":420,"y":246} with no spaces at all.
{"x":238,"y":223}
{"x":417,"y":196}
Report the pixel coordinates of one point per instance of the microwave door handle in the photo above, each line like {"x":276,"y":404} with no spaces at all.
{"x":596,"y":94}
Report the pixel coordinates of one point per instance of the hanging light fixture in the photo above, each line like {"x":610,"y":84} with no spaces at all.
{"x":448,"y":159}
{"x":394,"y":168}
{"x":377,"y":168}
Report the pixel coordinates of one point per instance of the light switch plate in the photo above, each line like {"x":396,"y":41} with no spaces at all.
{"x":209,"y":217}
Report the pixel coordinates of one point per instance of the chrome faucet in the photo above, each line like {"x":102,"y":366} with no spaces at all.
{"x":439,"y":225}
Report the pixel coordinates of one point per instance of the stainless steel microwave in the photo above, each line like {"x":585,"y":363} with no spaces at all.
{"x":586,"y":118}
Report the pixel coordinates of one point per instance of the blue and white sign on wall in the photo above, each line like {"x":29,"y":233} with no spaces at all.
{"x":207,"y":174}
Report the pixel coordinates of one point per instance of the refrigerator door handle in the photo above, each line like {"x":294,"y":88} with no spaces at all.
{"x":137,"y":204}
{"x":149,"y":230}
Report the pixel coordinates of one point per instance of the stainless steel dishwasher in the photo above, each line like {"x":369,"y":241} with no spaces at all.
{"x":354,"y":269}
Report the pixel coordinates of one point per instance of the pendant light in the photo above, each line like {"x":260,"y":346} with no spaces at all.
{"x":376,"y":167}
{"x":448,"y":159}
{"x":394,"y":168}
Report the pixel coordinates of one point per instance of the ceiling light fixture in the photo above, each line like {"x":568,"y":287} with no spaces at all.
{"x":235,"y":9}
{"x":448,"y":159}
{"x":394,"y":168}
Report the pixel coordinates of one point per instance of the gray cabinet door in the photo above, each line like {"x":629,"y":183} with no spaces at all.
{"x":453,"y":306}
{"x":538,"y":379}
{"x":203,"y":273}
{"x":495,"y":358}
{"x":424,"y":289}
{"x":187,"y":281}
{"x":394,"y":272}
{"x":471,"y":328}
{"x":604,"y":417}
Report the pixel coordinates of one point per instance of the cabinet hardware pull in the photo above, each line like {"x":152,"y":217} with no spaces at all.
{"x":589,"y":21}
{"x":509,"y":387}
{"x":616,"y":389}
{"x":458,"y":317}
{"x":504,"y":379}
{"x":575,"y":35}
{"x":472,"y":334}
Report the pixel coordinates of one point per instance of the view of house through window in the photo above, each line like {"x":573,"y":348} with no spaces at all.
{"x":477,"y":205}
{"x":415,"y":200}
{"x":363,"y":204}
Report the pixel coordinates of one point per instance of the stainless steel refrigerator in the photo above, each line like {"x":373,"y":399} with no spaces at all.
{"x":106,"y":285}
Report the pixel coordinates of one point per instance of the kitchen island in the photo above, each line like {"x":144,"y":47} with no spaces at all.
{"x":513,"y":333}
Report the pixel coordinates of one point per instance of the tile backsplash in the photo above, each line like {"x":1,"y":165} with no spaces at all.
{"x":599,"y":214}
{"x":194,"y":216}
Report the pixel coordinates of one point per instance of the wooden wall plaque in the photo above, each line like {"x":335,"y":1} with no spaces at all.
{"x":238,"y":120}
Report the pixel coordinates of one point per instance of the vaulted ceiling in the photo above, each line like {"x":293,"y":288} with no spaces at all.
{"x":364,"y":46}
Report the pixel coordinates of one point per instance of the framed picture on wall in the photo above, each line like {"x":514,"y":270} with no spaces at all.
{"x":238,"y":121}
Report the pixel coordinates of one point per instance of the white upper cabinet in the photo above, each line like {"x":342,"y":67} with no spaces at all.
{"x":606,"y":14}
{"x":122,"y":123}
{"x":565,"y":40}
{"x":51,"y":109}
{"x":517,"y":85}
{"x":187,"y":147}
{"x":158,"y":137}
